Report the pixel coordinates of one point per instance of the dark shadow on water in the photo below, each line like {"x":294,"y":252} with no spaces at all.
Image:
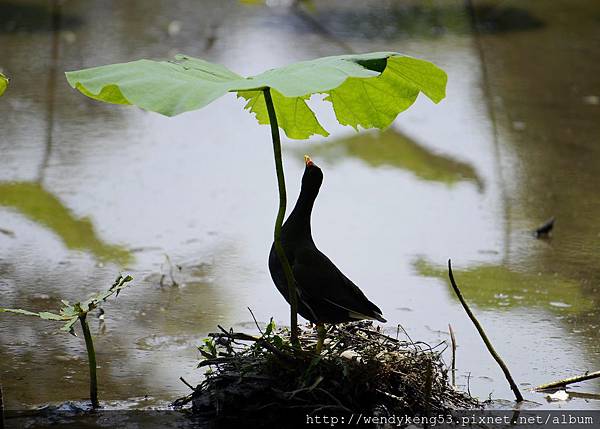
{"x":410,"y":20}
{"x":497,"y":19}
{"x":33,"y":18}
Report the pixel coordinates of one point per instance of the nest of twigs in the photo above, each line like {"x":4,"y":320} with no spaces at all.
{"x":266,"y":381}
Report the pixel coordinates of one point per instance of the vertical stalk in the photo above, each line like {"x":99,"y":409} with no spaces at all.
{"x":1,"y":408}
{"x":453,"y":339}
{"x":285,"y":264}
{"x":89,"y":344}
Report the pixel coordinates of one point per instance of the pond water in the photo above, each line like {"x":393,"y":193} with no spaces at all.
{"x":89,"y":190}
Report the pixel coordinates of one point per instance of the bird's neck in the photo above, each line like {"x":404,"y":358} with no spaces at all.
{"x":299,"y":220}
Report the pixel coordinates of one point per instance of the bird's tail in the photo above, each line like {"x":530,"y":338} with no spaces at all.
{"x":374,"y":316}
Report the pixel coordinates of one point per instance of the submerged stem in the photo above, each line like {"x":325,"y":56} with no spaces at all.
{"x":287,"y":269}
{"x":89,"y":344}
{"x":1,"y":408}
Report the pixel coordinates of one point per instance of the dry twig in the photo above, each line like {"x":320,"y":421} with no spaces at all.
{"x":570,"y":380}
{"x":484,"y":337}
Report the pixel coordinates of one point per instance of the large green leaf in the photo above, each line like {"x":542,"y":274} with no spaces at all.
{"x":293,"y":114}
{"x":367,"y":90}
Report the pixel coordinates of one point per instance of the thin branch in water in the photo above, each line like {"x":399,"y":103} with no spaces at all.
{"x":484,"y":337}
{"x":570,"y":380}
{"x":469,"y":383}
{"x":255,"y":322}
{"x":187,"y":384}
{"x":171,"y":272}
{"x":453,"y":339}
{"x":406,"y":333}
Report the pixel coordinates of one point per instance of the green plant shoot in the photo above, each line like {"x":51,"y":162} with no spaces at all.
{"x":69,"y":314}
{"x":365,"y":90}
{"x":3,"y":83}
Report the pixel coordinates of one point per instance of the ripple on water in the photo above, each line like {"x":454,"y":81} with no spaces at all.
{"x":167,"y":342}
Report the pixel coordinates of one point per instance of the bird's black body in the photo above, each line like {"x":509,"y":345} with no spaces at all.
{"x":325,"y":295}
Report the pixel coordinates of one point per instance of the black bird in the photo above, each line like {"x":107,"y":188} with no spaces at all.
{"x":325,"y":294}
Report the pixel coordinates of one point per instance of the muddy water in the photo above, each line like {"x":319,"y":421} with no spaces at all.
{"x":88,"y":190}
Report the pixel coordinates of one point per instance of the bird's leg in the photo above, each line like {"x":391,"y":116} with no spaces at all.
{"x":320,"y":337}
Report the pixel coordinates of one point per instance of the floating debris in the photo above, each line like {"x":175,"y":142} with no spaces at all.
{"x":561,"y":395}
{"x":559,"y":304}
{"x":545,"y":229}
{"x":7,"y":232}
{"x":593,"y":100}
{"x":519,"y":125}
{"x":174,"y":28}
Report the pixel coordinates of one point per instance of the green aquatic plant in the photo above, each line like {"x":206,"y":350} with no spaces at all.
{"x":3,"y":83}
{"x":70,"y":314}
{"x":365,"y":90}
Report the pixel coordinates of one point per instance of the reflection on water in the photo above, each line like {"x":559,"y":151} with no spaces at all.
{"x":33,"y":201}
{"x":357,"y":20}
{"x":391,"y":148}
{"x":165,"y":327}
{"x":498,"y":287}
{"x":521,"y":117}
{"x":504,"y":18}
{"x":31,"y":17}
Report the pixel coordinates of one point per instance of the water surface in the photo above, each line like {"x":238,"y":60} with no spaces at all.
{"x":88,"y":190}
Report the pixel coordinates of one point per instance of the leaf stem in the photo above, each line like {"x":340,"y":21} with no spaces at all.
{"x":289,"y":275}
{"x":484,"y":337}
{"x":89,"y":344}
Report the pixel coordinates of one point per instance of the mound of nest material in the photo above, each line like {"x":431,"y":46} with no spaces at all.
{"x":265,"y":382}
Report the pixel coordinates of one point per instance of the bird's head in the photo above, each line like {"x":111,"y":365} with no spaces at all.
{"x":313,"y":176}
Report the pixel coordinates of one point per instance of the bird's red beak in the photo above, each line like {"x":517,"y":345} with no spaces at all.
{"x":308,"y":161}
